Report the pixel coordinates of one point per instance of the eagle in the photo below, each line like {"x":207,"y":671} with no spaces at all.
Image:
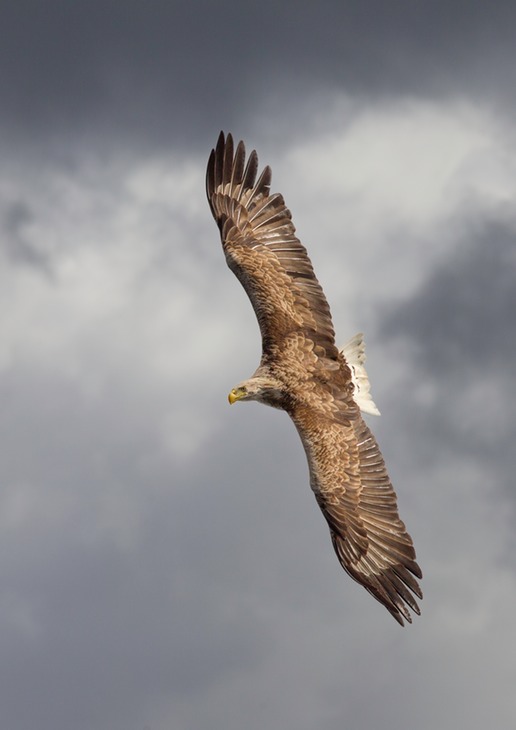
{"x":323,"y":389}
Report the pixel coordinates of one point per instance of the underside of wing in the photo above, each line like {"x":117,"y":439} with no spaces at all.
{"x":355,"y":494}
{"x":261,"y":248}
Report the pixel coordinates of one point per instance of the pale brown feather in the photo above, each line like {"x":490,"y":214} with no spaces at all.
{"x":347,"y":471}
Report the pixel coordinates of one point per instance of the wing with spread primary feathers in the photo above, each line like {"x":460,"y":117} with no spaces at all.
{"x":355,"y":494}
{"x":347,"y":470}
{"x":261,"y":248}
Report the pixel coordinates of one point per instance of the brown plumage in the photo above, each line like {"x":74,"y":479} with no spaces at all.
{"x":303,"y":373}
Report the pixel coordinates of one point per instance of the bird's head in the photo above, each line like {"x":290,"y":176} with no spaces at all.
{"x":260,"y":388}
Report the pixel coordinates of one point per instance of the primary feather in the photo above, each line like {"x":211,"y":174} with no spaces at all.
{"x":304,"y":373}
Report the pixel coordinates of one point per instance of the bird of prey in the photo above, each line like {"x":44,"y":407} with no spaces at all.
{"x":302,"y":371}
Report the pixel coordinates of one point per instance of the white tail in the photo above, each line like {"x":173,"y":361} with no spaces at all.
{"x":354,"y":352}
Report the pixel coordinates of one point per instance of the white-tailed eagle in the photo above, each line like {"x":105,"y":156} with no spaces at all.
{"x":322,"y":388}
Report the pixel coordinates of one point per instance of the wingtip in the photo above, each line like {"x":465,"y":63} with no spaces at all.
{"x":228,"y":170}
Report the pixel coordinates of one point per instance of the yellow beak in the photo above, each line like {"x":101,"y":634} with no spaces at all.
{"x":235,"y":395}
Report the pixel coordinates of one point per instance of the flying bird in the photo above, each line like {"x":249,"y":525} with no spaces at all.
{"x":302,"y":371}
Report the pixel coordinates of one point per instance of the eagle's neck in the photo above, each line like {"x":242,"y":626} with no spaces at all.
{"x":268,"y":389}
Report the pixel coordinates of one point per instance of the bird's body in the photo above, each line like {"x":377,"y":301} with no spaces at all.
{"x":303,"y":372}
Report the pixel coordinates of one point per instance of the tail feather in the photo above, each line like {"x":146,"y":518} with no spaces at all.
{"x":354,"y":352}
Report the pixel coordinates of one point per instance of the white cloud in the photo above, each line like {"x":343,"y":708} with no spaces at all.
{"x":379,"y":192}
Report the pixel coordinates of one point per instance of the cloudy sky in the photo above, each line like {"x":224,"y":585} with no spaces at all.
{"x":163,"y":564}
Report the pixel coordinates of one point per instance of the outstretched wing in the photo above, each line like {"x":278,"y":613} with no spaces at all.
{"x":261,"y":248}
{"x":348,"y":473}
{"x":355,"y":494}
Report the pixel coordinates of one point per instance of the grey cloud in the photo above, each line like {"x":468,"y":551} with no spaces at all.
{"x":463,"y":318}
{"x":460,"y":333}
{"x":17,"y":216}
{"x":160,"y":73}
{"x":107,"y":620}
{"x":149,"y":585}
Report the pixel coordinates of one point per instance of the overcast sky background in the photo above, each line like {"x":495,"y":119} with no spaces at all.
{"x":163,"y":564}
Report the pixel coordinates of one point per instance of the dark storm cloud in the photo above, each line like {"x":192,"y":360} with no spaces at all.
{"x":460,"y":330}
{"x":462,"y":320}
{"x":156,"y":70}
